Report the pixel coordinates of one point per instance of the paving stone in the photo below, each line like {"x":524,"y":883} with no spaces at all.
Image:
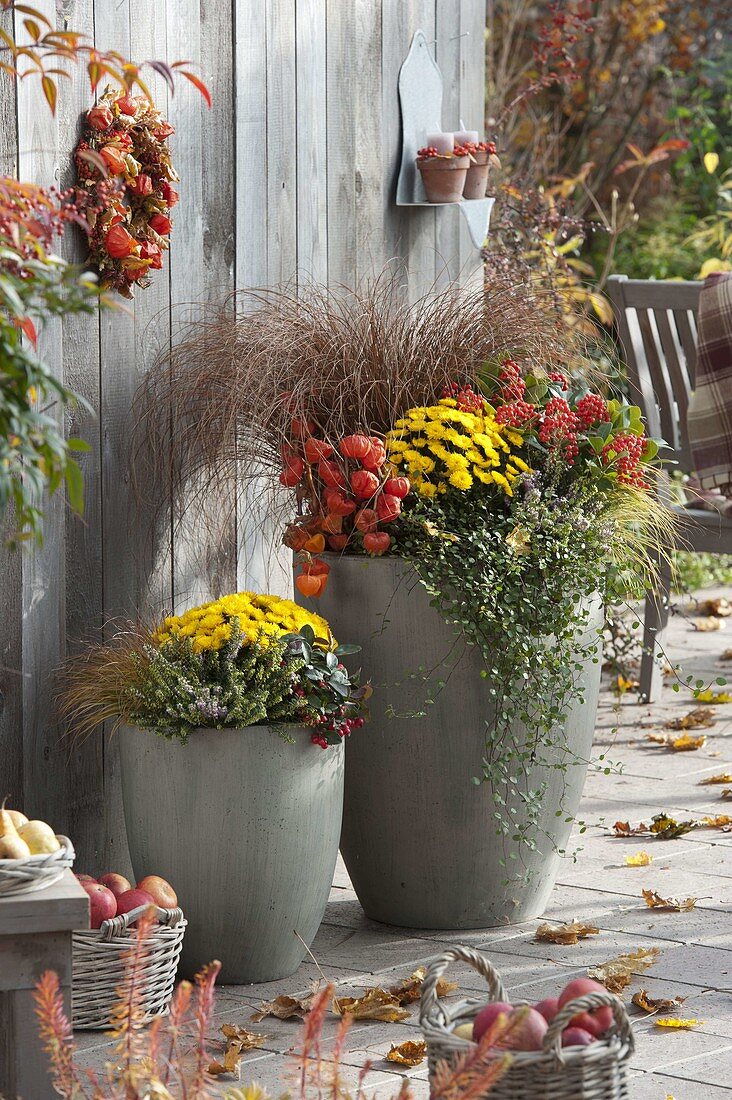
{"x":661,"y":1049}
{"x":712,"y":1067}
{"x":657,"y":1086}
{"x":304,"y":978}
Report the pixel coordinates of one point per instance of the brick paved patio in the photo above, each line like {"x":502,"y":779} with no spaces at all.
{"x":696,"y":946}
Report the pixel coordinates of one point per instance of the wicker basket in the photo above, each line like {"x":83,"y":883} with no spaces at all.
{"x":98,"y":971}
{"x":594,"y":1072}
{"x":22,"y":876}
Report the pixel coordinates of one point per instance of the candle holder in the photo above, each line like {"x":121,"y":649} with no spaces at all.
{"x":420,"y":96}
{"x":482,"y":157}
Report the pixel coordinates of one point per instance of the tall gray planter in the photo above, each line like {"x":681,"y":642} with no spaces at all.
{"x":245,"y":826}
{"x":419,"y":837}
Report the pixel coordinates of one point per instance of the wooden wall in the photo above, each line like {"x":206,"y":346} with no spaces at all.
{"x":290,"y":175}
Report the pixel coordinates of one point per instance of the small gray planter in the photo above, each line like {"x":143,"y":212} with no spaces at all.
{"x":245,"y":826}
{"x":419,"y":837}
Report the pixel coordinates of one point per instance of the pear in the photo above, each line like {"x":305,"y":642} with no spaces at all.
{"x":39,"y":837}
{"x":7,"y":825}
{"x":13,"y":847}
{"x":17,"y":818}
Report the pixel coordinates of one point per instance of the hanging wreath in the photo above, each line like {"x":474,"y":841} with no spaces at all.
{"x":126,"y":178}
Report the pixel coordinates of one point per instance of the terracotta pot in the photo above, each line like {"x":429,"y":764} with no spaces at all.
{"x":477,"y":178}
{"x":419,"y":837}
{"x":443,"y":177}
{"x":245,"y":824}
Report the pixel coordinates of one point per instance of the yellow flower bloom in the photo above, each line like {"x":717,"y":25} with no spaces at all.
{"x":461,"y":479}
{"x":210,"y":625}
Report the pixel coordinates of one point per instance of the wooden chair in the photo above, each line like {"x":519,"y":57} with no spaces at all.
{"x":657,"y":328}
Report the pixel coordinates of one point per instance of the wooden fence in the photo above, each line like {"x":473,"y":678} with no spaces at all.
{"x":290,"y":175}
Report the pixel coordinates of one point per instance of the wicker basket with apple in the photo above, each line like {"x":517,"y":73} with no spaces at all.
{"x":100,"y":952}
{"x":32,"y":856}
{"x":571,"y":1047}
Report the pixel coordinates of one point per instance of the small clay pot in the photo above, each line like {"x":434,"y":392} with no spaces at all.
{"x":443,"y":177}
{"x":477,"y":178}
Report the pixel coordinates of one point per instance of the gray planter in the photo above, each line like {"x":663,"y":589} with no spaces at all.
{"x":245,"y":826}
{"x":419,"y":837}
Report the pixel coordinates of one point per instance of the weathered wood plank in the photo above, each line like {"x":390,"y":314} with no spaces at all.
{"x":472,"y":110}
{"x":448,"y":48}
{"x":279,"y":144}
{"x":342,"y":59}
{"x":312,"y":152}
{"x":366,"y":32}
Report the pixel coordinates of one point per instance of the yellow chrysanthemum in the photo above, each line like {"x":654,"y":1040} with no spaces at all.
{"x":455,"y":446}
{"x":209,"y":625}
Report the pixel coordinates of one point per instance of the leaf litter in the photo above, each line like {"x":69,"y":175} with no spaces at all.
{"x":408,"y":1054}
{"x":698,"y":718}
{"x":642,"y":999}
{"x":685,"y":743}
{"x":569,"y":933}
{"x":238,"y":1041}
{"x":387,"y":1005}
{"x":616,"y":974}
{"x":675,"y":905}
{"x":640,"y":859}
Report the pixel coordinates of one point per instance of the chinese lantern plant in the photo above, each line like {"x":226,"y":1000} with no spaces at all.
{"x":347,"y":496}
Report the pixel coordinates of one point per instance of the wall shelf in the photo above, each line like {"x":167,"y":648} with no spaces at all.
{"x":420,"y":97}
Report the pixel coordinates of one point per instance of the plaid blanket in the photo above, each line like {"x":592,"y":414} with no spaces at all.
{"x":709,"y":418}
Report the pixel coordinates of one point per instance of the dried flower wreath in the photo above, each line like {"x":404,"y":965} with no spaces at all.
{"x":125,"y":174}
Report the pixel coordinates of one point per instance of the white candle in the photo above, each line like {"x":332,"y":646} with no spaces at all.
{"x":462,"y":137}
{"x":443,"y":143}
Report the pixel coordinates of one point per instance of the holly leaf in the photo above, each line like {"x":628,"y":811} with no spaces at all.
{"x":283,"y":1008}
{"x":568,"y":933}
{"x":375,"y":1004}
{"x":615,"y":975}
{"x":642,"y":999}
{"x":676,"y":905}
{"x":640,"y":859}
{"x":408,"y":1054}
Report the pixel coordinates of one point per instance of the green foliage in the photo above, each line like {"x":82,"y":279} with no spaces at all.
{"x":517,"y":578}
{"x":694,"y":571}
{"x":656,"y":246}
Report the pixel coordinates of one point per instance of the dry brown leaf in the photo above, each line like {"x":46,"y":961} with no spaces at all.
{"x":709,"y":623}
{"x":667,"y":828}
{"x":677,"y":905}
{"x":727,"y":792}
{"x":624,"y":828}
{"x":727,"y":655}
{"x":672,"y":1021}
{"x":571,"y":932}
{"x":721,"y":777}
{"x":720,"y":608}
{"x":408,"y":1054}
{"x":718,"y":821}
{"x":696,"y":719}
{"x":640,"y":859}
{"x":685,"y":743}
{"x":642,"y":999}
{"x":615,"y":975}
{"x":375,"y":1004}
{"x":238,"y":1040}
{"x":410,"y":990}
{"x":283,"y":1007}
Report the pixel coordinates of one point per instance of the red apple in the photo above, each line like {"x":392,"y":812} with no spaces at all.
{"x":587,"y":1022}
{"x":579,"y":987}
{"x":487,"y":1017}
{"x":85,"y":878}
{"x":531,"y":1034}
{"x":102,"y":903}
{"x":116,"y":883}
{"x":576,"y":1037}
{"x":548,"y":1008}
{"x":159,"y":890}
{"x":133,"y":899}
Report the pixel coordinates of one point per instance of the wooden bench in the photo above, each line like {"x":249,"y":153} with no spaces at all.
{"x":35,"y":935}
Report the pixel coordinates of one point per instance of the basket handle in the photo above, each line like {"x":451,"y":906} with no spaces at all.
{"x":116,"y":925}
{"x":430,"y":1002}
{"x":553,"y":1037}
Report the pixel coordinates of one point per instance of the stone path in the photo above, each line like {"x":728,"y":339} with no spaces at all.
{"x":696,"y":946}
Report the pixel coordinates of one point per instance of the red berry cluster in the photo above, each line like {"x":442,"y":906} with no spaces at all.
{"x":461,"y":150}
{"x":512,"y":385}
{"x":558,"y":428}
{"x":465,"y":397}
{"x":560,"y":379}
{"x":340,"y":728}
{"x":515,"y":411}
{"x":592,"y":409}
{"x":625,"y":452}
{"x":428,"y":151}
{"x":349,"y":497}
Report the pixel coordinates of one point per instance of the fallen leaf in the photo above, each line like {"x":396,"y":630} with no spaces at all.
{"x":283,"y":1007}
{"x":685,"y":743}
{"x":727,"y":792}
{"x":677,"y":905}
{"x":238,"y":1040}
{"x":698,"y":718}
{"x":722,"y":777}
{"x":667,"y":828}
{"x":624,"y":828}
{"x":642,"y":999}
{"x":408,"y":1054}
{"x":727,"y":655}
{"x":718,"y":821}
{"x":708,"y":624}
{"x":410,"y":990}
{"x":623,"y":684}
{"x":640,"y":859}
{"x":673,"y":1021}
{"x":375,"y":1004}
{"x":615,"y":975}
{"x":571,"y":932}
{"x":720,"y":608}
{"x":709,"y":696}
